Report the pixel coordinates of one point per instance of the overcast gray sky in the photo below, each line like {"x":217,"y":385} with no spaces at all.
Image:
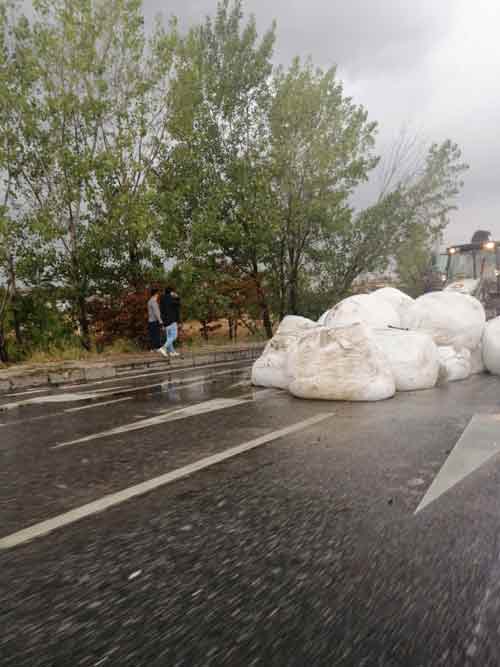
{"x":431,"y":65}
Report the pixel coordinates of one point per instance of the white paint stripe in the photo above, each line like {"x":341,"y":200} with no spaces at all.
{"x":86,"y":396}
{"x":187,"y":369}
{"x":257,"y":396}
{"x":198,"y":409}
{"x":99,"y":405}
{"x":46,"y":527}
{"x":140,"y":374}
{"x":175,"y":371}
{"x":25,"y":393}
{"x":108,"y":390}
{"x":479,"y":442}
{"x":64,"y":413}
{"x":86,"y":407}
{"x":125,"y":376}
{"x":174,"y":415}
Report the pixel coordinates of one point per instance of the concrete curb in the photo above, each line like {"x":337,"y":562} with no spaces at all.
{"x":46,"y":375}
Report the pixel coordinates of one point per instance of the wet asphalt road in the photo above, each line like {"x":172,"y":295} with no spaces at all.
{"x":303,"y":551}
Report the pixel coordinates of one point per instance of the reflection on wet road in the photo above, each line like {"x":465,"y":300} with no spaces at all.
{"x":186,"y":518}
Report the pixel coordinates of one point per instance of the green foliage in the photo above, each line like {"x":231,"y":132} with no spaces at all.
{"x":321,"y":149}
{"x":45,"y":320}
{"x":414,"y":258}
{"x":214,"y":187}
{"x":119,"y":150}
{"x":407,"y":217}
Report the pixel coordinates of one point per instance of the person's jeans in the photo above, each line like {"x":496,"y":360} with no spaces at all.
{"x":154,"y":335}
{"x":171,"y":332}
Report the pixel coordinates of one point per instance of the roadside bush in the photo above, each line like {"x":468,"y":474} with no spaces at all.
{"x":121,"y":318}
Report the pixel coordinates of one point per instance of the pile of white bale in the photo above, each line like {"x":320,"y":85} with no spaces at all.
{"x":371,"y":345}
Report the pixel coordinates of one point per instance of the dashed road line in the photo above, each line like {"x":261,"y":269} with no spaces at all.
{"x":24,"y":393}
{"x":87,"y":396}
{"x":181,"y":387}
{"x":113,"y":499}
{"x":140,"y":374}
{"x":205,"y":407}
{"x":100,"y":405}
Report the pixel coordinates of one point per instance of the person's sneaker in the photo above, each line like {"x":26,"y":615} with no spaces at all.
{"x":163,"y":351}
{"x":175,"y":354}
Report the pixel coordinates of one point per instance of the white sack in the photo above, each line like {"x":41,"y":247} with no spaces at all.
{"x":322,"y":319}
{"x":340,"y":364}
{"x":270,"y":368}
{"x":400,"y":301}
{"x":491,"y":346}
{"x":455,"y":362}
{"x":452,"y":319}
{"x":294,"y":325}
{"x":476,"y":360}
{"x":413,"y":358}
{"x":366,"y":309}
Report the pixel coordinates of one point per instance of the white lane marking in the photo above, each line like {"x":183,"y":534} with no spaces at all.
{"x":97,"y":506}
{"x":24,"y":393}
{"x":86,"y":396}
{"x":56,"y":398}
{"x":99,"y":405}
{"x":124,"y":377}
{"x":478,"y":443}
{"x":211,"y":405}
{"x":198,"y":409}
{"x":187,"y":369}
{"x":257,"y":395}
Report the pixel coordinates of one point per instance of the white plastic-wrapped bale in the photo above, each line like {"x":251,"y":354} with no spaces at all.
{"x":452,"y":319}
{"x":455,"y":362}
{"x":339,"y":364}
{"x":491,"y":346}
{"x":413,"y":358}
{"x":476,"y":360}
{"x":270,"y":368}
{"x":321,"y":321}
{"x":400,"y":301}
{"x":368,"y":309}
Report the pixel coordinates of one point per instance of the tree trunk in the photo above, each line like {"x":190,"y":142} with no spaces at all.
{"x":293,"y":296}
{"x":78,"y":275}
{"x":15,"y":300}
{"x":4,"y":357}
{"x":135,"y":272}
{"x":262,"y":301}
{"x":204,"y":329}
{"x":282,"y":283}
{"x":83,"y":321}
{"x":266,"y":318}
{"x":4,"y":304}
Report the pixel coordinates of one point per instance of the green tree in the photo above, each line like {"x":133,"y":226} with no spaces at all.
{"x":414,"y":258}
{"x":101,"y":110}
{"x":214,"y":184}
{"x":408,"y":215}
{"x":321,"y":149}
{"x":17,"y":76}
{"x":134,"y":133}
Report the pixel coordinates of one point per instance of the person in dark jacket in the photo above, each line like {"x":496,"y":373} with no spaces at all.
{"x":170,"y":308}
